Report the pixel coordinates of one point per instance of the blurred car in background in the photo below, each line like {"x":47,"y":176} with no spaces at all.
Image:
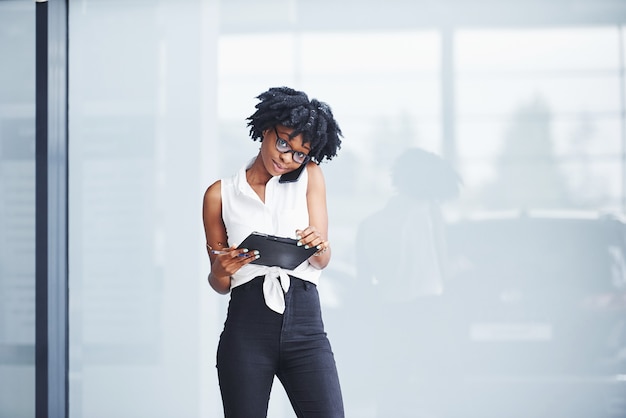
{"x":532,"y":321}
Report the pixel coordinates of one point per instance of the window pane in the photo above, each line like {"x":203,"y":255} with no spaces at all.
{"x":554,"y":89}
{"x":248,"y":55}
{"x":552,"y":49}
{"x":139,"y":77}
{"x":497,"y":94}
{"x":17,"y":209}
{"x":368,"y":53}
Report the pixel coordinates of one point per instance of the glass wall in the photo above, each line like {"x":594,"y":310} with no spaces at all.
{"x":159,"y":94}
{"x":541,"y":106}
{"x":141,"y":106}
{"x":538,"y":124}
{"x":17,"y":209}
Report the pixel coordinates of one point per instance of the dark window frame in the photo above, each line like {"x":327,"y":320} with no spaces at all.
{"x":51,"y":203}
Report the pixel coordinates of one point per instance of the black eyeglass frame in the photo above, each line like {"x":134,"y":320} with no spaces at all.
{"x":293,"y":152}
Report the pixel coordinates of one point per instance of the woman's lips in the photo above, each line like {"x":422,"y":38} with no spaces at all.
{"x":279,"y":167}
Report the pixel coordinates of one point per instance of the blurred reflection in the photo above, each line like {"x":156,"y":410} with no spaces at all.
{"x":534,"y":316}
{"x":401,"y":264}
{"x":517,"y":314}
{"x":402,"y":245}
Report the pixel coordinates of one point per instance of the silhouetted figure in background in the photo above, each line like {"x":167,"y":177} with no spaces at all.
{"x":401,"y":261}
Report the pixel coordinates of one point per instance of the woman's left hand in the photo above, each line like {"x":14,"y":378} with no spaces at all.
{"x":310,"y":237}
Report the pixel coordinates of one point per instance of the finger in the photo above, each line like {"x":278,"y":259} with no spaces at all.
{"x":223,"y":251}
{"x":313,"y":240}
{"x":303,"y":233}
{"x":322,"y":248}
{"x":309,"y":237}
{"x":249,"y":257}
{"x":240,"y":252}
{"x":235,"y":252}
{"x":236,"y":259}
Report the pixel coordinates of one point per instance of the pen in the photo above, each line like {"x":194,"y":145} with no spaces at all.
{"x":219,"y":252}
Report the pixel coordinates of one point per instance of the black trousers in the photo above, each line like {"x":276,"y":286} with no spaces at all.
{"x":258,"y":344}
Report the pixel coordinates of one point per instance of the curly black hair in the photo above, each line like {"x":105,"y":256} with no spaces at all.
{"x":293,"y":109}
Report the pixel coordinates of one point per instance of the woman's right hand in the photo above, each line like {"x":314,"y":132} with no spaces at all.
{"x":228,"y":261}
{"x":225,"y":263}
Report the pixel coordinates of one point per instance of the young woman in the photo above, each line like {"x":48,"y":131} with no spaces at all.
{"x":274,"y":324}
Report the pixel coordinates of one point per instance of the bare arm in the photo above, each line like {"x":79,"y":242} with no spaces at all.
{"x":316,"y":234}
{"x":224,"y":265}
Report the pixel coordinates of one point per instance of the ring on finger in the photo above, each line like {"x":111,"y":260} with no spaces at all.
{"x":323,"y":247}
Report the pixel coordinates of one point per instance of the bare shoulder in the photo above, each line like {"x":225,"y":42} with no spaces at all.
{"x":213,"y":193}
{"x":316,"y":185}
{"x":315,"y":173}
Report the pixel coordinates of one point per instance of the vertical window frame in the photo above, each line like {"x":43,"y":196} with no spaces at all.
{"x":51,"y":152}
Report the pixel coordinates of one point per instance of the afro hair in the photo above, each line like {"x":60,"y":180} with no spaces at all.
{"x":293,"y":109}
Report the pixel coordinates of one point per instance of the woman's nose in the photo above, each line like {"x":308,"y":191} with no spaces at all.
{"x":286,"y":157}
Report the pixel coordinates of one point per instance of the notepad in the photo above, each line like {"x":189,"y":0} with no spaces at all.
{"x":277,"y":251}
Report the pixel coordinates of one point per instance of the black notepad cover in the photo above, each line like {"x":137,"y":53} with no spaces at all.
{"x":276,"y":251}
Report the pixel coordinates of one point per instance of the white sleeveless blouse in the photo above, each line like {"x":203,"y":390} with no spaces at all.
{"x":285,"y":210}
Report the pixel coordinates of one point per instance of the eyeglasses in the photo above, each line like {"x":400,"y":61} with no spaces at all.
{"x":283,"y":146}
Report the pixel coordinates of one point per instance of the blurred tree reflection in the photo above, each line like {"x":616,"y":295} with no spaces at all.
{"x":527,"y":174}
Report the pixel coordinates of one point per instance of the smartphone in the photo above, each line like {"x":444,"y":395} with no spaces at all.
{"x":292,"y":175}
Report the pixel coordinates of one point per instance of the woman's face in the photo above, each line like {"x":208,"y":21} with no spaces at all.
{"x":276,"y":162}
